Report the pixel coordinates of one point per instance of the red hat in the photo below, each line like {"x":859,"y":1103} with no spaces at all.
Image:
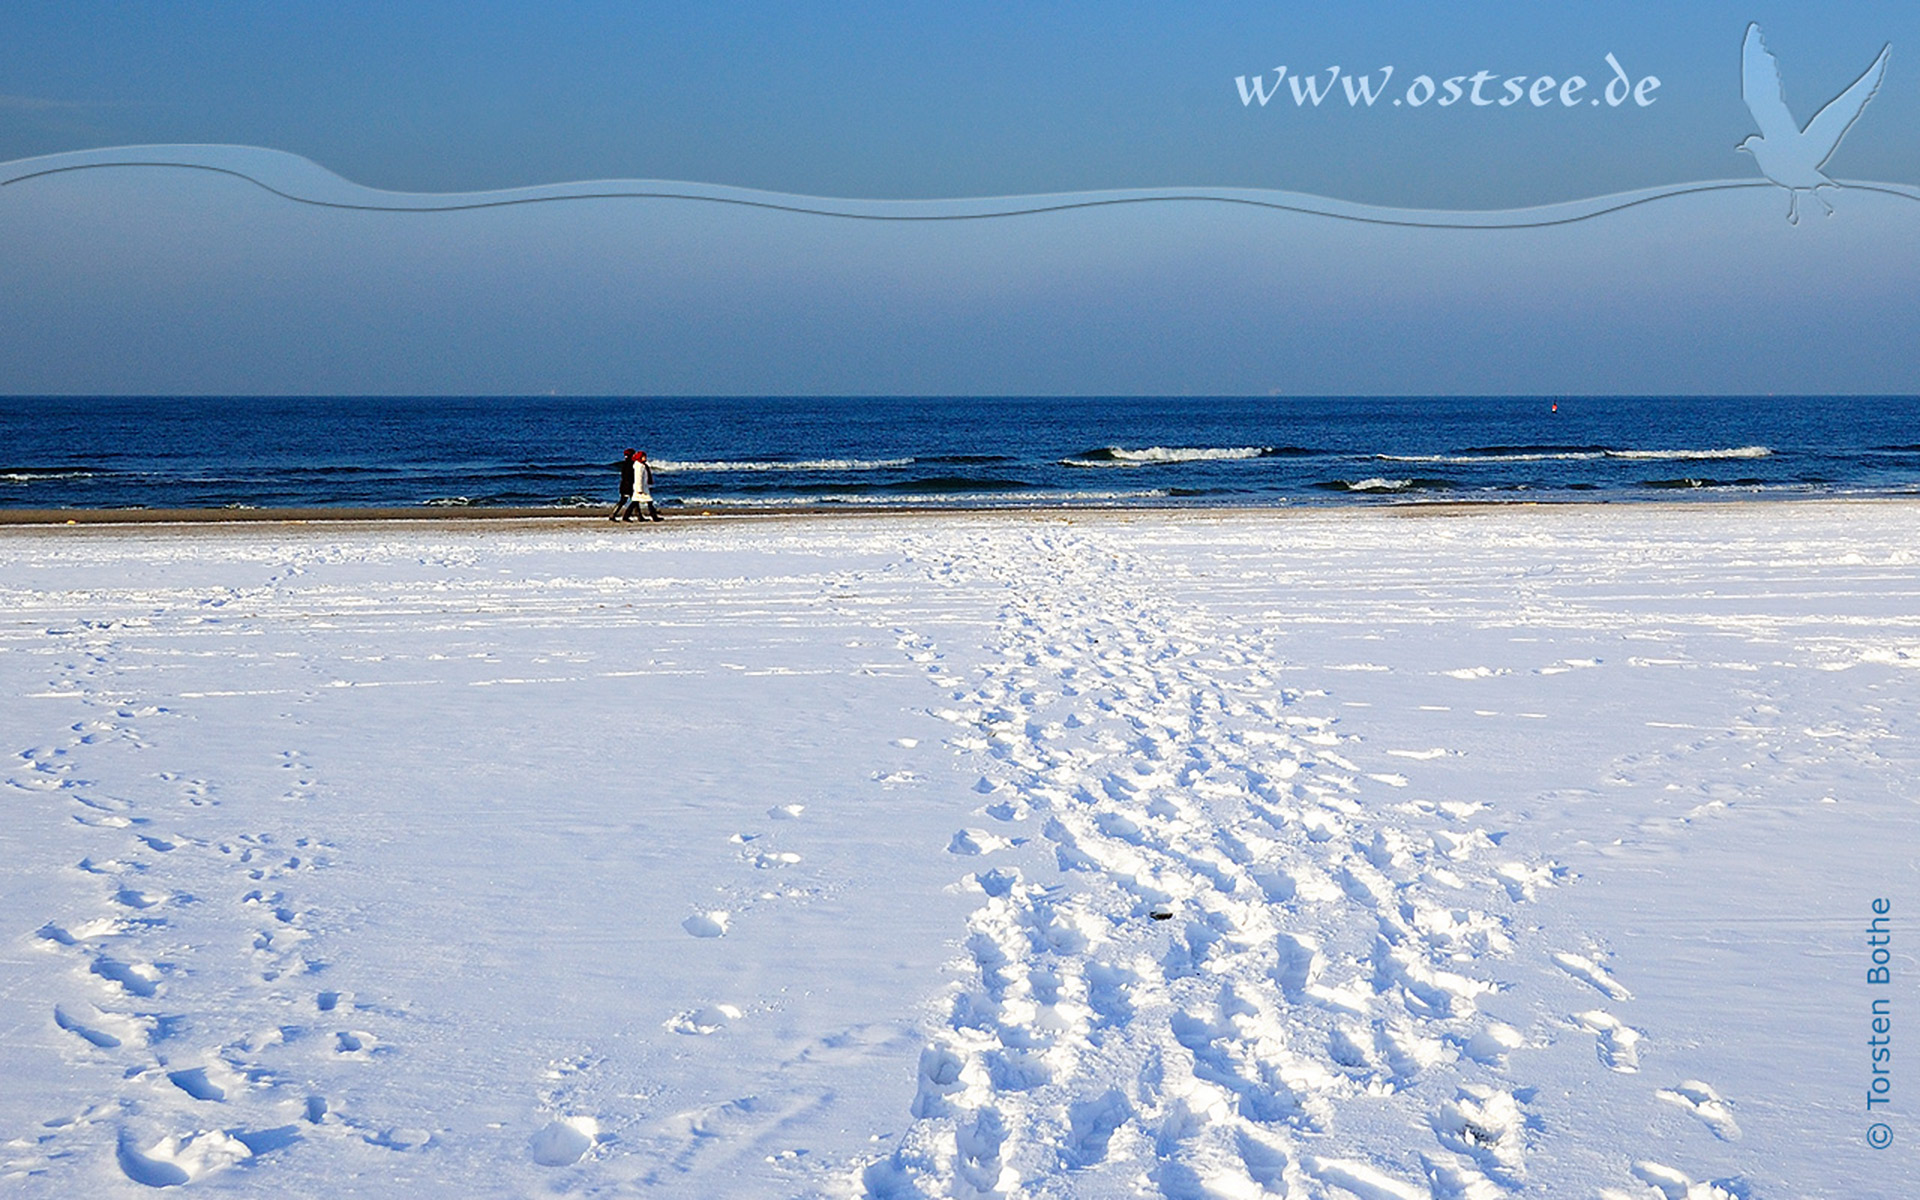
{"x":631,"y":452}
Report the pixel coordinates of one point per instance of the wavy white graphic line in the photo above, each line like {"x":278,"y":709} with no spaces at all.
{"x":303,"y":181}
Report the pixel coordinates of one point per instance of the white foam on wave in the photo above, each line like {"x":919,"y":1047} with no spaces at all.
{"x":1118,"y":456}
{"x":667,"y":465}
{"x":1377,"y":484}
{"x":1579,"y":455}
{"x":1733,"y":452}
{"x":41,"y":476}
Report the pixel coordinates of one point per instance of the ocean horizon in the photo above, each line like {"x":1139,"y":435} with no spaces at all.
{"x":966,"y":452}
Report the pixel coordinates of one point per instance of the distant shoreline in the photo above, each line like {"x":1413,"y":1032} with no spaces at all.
{"x":464,"y":515}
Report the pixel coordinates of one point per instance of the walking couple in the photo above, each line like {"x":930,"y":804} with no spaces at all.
{"x":636,"y":488}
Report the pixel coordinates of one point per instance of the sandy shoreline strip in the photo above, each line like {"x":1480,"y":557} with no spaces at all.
{"x":454,"y":514}
{"x":222,"y":516}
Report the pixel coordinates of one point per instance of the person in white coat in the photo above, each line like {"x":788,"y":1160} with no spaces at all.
{"x":642,"y":489}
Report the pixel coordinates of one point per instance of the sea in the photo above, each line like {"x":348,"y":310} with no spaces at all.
{"x":719,"y":453}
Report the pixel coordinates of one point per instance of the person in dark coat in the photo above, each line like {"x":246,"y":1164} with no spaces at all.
{"x":626,"y":466}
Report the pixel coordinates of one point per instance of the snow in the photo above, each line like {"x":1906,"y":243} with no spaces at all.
{"x":1401,"y":853}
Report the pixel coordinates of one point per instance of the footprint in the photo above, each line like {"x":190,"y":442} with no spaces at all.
{"x":108,"y":1031}
{"x":979,"y":1143}
{"x":1121,"y":826}
{"x":1361,"y":1179}
{"x":1522,"y":881}
{"x":1278,"y":886}
{"x":1350,"y":1046}
{"x":1490,"y":1046}
{"x":1484,"y":1124}
{"x":1297,"y":963}
{"x":975,"y":842}
{"x":1703,"y":1102}
{"x":708,"y":1018}
{"x":786,"y":812}
{"x":134,"y":897}
{"x":82,"y":931}
{"x":136,"y":979}
{"x":194,"y":1082}
{"x":111,"y":822}
{"x":276,"y":903}
{"x":355,"y":1043}
{"x":266,"y":1141}
{"x":1675,"y":1185}
{"x":998,"y":883}
{"x":561,"y":1143}
{"x":180,"y":1159}
{"x":1593,"y":974}
{"x":1619,"y":1044}
{"x":402,"y":1138}
{"x":708,"y":924}
{"x":1091,"y":1126}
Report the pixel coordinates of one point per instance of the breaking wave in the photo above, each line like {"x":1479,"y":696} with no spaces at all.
{"x":1735,"y":452}
{"x":1379,"y":484}
{"x":26,"y":475}
{"x":1151,"y":456}
{"x":1516,"y":454}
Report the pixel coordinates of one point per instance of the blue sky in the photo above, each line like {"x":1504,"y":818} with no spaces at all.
{"x":129,"y":282}
{"x":917,"y":99}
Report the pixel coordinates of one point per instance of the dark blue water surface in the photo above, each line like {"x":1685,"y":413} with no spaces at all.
{"x":713,"y":453}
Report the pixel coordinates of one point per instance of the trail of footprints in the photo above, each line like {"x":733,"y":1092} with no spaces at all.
{"x":1223,"y":949}
{"x":210,"y":1052}
{"x":1227,"y":948}
{"x":765,"y":849}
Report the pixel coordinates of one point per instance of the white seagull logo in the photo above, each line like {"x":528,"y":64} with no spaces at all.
{"x":1789,"y":155}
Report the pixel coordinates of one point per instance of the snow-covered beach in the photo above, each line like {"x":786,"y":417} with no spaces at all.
{"x":1400,"y":853}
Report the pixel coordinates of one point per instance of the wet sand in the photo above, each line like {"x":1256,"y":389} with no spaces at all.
{"x":458,"y":514}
